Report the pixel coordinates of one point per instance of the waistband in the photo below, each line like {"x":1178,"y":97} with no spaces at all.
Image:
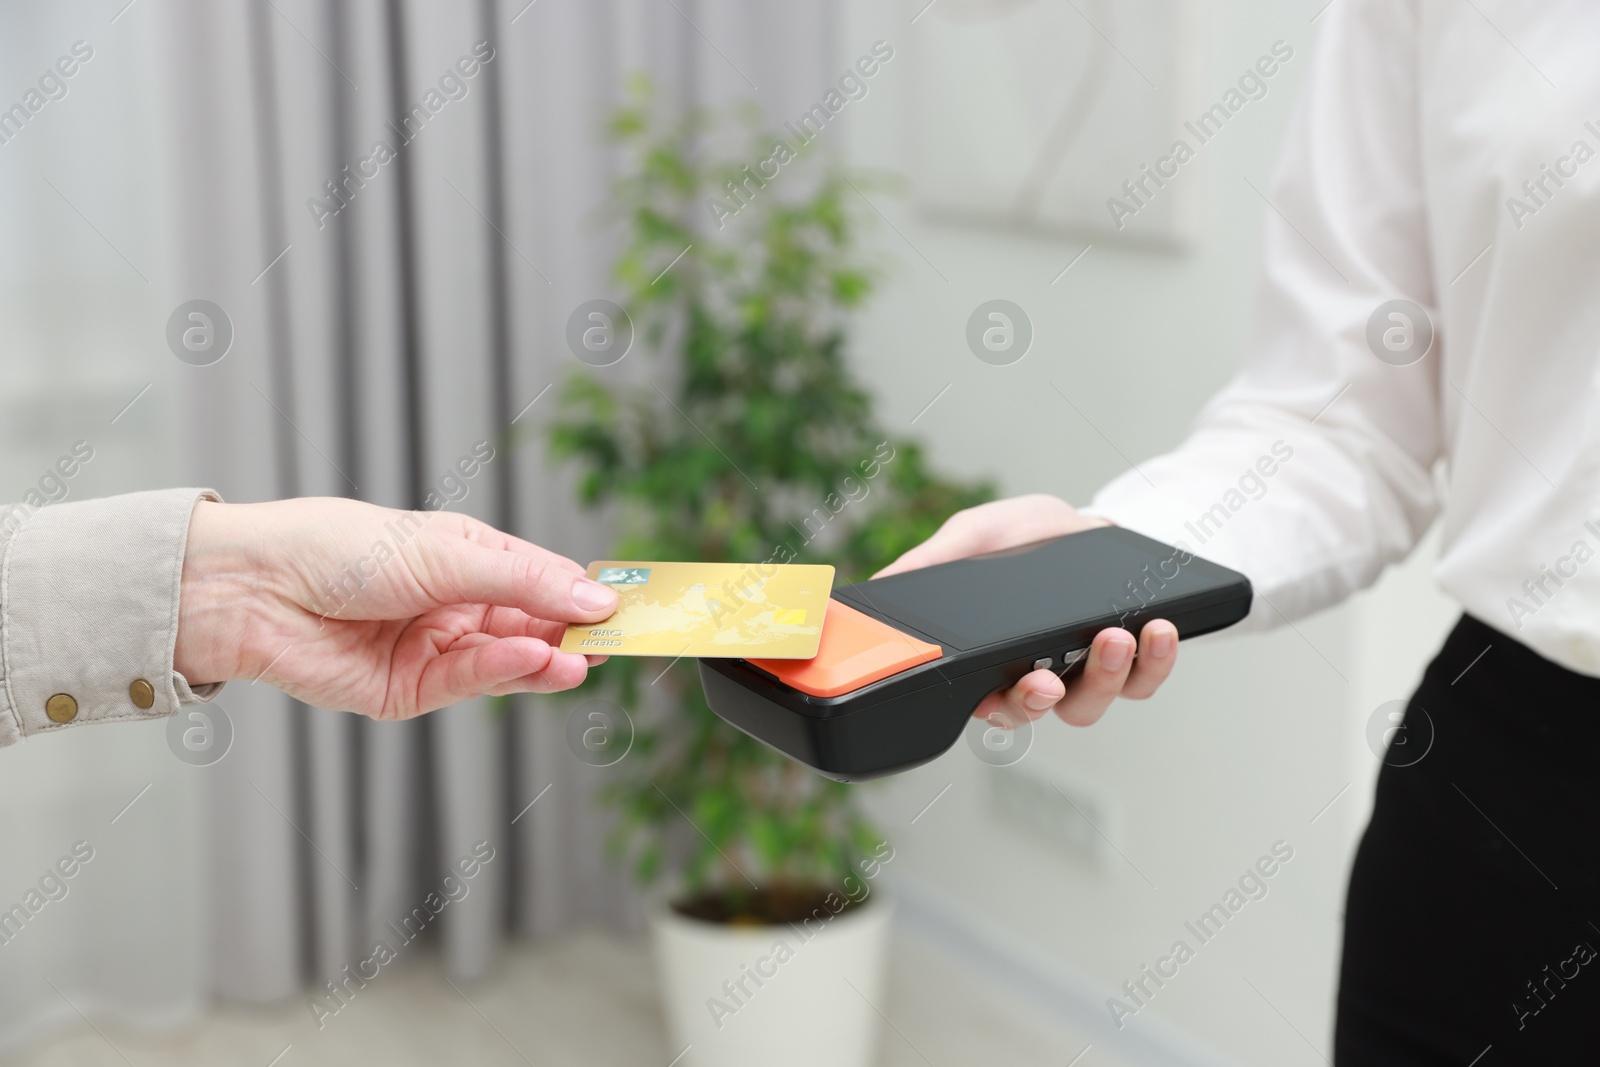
{"x":1490,"y":664}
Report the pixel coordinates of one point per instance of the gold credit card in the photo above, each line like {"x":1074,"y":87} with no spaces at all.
{"x":708,"y":610}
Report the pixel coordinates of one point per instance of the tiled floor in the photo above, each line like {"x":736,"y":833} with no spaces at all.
{"x":586,"y":1001}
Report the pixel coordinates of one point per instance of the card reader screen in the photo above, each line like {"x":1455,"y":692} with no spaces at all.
{"x":1037,"y":588}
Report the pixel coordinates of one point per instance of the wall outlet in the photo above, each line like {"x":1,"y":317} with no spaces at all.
{"x":1072,"y":819}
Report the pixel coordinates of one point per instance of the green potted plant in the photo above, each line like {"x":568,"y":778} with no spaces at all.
{"x":764,"y":449}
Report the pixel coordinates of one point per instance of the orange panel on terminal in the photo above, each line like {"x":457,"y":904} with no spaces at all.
{"x":856,"y":650}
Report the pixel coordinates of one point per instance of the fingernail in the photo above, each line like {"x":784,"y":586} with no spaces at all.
{"x":1114,"y":655}
{"x":592,"y":596}
{"x":1037,"y":701}
{"x":1162,"y":642}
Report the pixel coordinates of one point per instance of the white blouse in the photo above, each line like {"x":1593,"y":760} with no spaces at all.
{"x":1447,"y":154}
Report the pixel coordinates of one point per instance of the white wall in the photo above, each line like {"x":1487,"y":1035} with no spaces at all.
{"x":1254,"y":735}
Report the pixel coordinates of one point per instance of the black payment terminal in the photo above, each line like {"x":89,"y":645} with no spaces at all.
{"x":904,"y":660}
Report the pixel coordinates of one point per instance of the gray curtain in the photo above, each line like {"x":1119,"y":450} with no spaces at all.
{"x":374,"y":346}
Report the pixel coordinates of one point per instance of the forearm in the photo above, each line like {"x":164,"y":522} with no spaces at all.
{"x":1311,"y":511}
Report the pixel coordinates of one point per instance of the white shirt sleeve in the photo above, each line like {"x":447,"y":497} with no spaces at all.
{"x":1312,"y":469}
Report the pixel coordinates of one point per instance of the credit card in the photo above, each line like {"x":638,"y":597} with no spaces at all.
{"x":708,"y":610}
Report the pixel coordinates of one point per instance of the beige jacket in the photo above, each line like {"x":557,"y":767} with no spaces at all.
{"x":89,"y":611}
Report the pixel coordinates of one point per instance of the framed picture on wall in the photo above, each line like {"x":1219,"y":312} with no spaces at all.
{"x":1063,"y":116}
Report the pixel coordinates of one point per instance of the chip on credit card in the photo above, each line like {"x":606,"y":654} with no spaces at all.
{"x":708,"y":610}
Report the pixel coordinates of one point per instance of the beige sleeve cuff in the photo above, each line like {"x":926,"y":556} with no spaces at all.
{"x":89,"y":611}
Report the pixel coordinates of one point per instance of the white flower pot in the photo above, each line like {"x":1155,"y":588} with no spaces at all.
{"x":774,"y":996}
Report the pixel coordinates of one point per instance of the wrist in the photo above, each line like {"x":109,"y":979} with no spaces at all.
{"x":223,"y":582}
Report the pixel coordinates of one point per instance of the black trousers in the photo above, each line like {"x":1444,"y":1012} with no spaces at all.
{"x":1472,"y":929}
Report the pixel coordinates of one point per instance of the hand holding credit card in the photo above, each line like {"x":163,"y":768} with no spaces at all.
{"x":707,"y":610}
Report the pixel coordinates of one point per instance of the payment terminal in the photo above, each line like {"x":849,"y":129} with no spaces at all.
{"x":904,"y":660}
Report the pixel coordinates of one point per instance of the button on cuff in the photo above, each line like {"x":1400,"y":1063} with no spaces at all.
{"x":61,"y":708}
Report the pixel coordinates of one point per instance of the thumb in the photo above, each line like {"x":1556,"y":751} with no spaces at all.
{"x":458,"y":571}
